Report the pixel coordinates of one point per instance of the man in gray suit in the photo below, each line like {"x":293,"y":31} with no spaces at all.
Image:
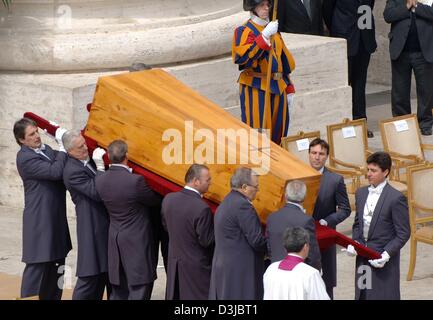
{"x":332,"y":207}
{"x":46,"y":239}
{"x":382,"y":224}
{"x":238,"y":261}
{"x":189,"y":222}
{"x":92,"y":218}
{"x":128,"y":198}
{"x":411,"y":48}
{"x":292,"y":215}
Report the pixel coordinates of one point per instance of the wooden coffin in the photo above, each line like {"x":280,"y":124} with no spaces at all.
{"x":168,"y":126}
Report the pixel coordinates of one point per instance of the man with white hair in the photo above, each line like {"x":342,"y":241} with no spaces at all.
{"x":238,"y":261}
{"x":291,"y":278}
{"x":292,"y":215}
{"x":92,"y":217}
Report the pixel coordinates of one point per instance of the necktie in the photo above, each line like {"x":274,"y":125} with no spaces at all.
{"x":40,"y":151}
{"x":88,"y":165}
{"x":308,"y":7}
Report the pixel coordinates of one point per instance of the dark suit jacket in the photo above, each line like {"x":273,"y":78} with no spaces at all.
{"x":238,"y":261}
{"x":128,"y":199}
{"x":389,"y":231}
{"x":341,"y":17}
{"x":399,"y":16}
{"x":189,"y":222}
{"x":45,"y":227}
{"x":332,"y":205}
{"x":293,"y":17}
{"x":92,"y":218}
{"x":277,"y":223}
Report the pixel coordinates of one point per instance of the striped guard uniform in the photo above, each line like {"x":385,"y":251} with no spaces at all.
{"x":251,"y":52}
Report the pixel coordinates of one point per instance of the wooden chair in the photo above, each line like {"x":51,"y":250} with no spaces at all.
{"x":420,"y":203}
{"x":401,"y":139}
{"x":28,"y":298}
{"x":296,"y":144}
{"x":348,"y":152}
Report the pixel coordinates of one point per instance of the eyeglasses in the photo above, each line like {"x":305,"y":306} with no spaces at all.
{"x":255,"y":187}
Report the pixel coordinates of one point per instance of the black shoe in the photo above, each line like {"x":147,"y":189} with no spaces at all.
{"x":370,"y":134}
{"x":426,"y":131}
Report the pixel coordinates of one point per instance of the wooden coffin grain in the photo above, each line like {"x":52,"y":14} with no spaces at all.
{"x":144,"y":107}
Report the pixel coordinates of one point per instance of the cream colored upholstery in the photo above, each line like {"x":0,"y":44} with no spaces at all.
{"x":290,"y":144}
{"x":348,"y":155}
{"x":405,"y":146}
{"x":420,"y":200}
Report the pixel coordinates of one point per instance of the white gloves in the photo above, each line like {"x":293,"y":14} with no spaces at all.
{"x":323,"y":222}
{"x":290,"y":100}
{"x":380,"y":263}
{"x":350,"y":251}
{"x":97,"y":155}
{"x":58,"y":136}
{"x":270,"y":29}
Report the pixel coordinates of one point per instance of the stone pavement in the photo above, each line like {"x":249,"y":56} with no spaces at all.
{"x":421,"y":287}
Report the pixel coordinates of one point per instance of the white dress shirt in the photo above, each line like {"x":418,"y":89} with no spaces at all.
{"x":40,"y":150}
{"x":121,"y":165}
{"x":370,"y":205}
{"x":192,"y":189}
{"x":298,"y":205}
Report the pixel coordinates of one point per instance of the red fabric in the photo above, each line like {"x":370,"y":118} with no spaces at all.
{"x":251,"y":38}
{"x":262,"y":43}
{"x":290,"y":262}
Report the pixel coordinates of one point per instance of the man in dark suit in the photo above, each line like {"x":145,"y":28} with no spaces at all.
{"x":238,"y":261}
{"x":292,"y":215}
{"x":46,"y":239}
{"x":411,"y":48}
{"x":301,"y":16}
{"x":332,"y":207}
{"x":92,"y":218}
{"x":382,"y":224}
{"x":189,"y":222}
{"x":128,"y":198}
{"x":353,"y":20}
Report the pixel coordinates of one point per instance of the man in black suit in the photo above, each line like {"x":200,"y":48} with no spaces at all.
{"x":411,"y":48}
{"x":301,"y":16}
{"x":382,"y":224}
{"x":292,"y":215}
{"x":189,"y":222}
{"x":353,"y":20}
{"x":238,"y":261}
{"x":92,"y":218}
{"x":46,"y":239}
{"x":128,"y":198}
{"x":332,"y":207}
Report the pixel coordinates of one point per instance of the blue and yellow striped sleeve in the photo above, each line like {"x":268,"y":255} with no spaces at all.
{"x":246,"y":47}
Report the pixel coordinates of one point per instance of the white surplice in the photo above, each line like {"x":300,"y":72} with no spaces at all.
{"x":302,"y":283}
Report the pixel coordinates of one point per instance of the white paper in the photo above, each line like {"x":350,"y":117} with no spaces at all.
{"x":348,"y":132}
{"x":426,"y":2}
{"x":303,"y":144}
{"x":401,"y":125}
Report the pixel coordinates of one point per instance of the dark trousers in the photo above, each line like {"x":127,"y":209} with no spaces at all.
{"x":401,"y":85}
{"x":330,"y":291}
{"x":92,"y":287}
{"x":124,"y":291}
{"x":44,"y":280}
{"x":358,"y":66}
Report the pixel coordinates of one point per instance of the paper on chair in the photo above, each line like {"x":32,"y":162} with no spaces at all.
{"x":426,"y":2}
{"x":303,"y":144}
{"x":401,"y":125}
{"x":348,"y":132}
